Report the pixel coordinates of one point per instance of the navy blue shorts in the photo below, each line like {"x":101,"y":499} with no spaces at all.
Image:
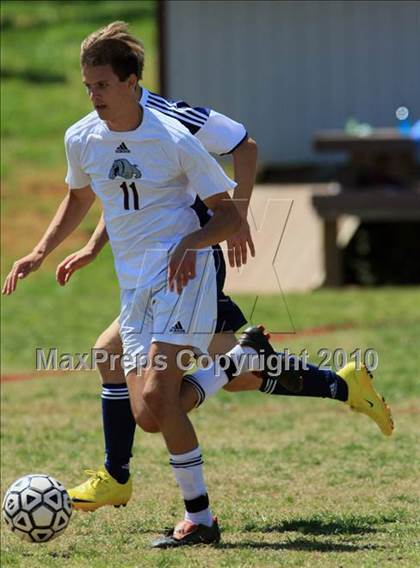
{"x":229,"y":315}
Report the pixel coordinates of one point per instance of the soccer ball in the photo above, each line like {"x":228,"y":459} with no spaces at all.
{"x":37,"y":508}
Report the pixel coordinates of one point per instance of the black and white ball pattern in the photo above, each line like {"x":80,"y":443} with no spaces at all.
{"x":37,"y":508}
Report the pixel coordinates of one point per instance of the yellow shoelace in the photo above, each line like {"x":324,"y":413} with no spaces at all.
{"x":96,"y":476}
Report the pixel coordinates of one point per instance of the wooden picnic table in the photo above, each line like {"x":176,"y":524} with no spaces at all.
{"x":381,"y":204}
{"x":380,"y":139}
{"x":379,"y":184}
{"x":383,"y":156}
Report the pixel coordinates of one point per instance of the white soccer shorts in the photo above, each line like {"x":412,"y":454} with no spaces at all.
{"x":154,"y":313}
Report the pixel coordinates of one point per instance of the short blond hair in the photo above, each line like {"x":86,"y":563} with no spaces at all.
{"x":114,"y":45}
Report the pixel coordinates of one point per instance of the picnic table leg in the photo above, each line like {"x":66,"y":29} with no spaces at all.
{"x":332,"y":255}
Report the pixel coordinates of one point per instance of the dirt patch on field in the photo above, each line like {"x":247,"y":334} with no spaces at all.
{"x":310,"y":331}
{"x":15,"y":377}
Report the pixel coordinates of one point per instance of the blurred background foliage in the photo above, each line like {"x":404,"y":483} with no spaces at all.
{"x":41,"y":89}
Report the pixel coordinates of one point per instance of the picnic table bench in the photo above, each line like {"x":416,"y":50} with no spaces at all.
{"x":379,"y":185}
{"x":381,"y":204}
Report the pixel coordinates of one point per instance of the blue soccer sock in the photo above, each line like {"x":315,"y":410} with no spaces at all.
{"x":119,"y":429}
{"x":321,"y":383}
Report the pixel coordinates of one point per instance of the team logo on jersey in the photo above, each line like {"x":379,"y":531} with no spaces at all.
{"x":123,"y":168}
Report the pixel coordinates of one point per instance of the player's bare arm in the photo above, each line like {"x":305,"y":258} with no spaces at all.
{"x":224,"y":222}
{"x":67,"y":218}
{"x":245,"y":168}
{"x":83,"y":256}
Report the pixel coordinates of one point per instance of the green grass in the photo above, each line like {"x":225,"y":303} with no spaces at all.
{"x":90,"y":302}
{"x":294,"y":482}
{"x":41,"y":90}
{"x":317,"y":485}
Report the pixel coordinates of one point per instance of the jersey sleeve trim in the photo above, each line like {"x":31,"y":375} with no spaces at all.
{"x":192,"y":118}
{"x":236,"y":146}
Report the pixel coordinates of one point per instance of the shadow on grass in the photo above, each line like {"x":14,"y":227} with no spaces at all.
{"x":299,"y":544}
{"x":319,"y":526}
{"x":61,"y":554}
{"x":33,"y":76}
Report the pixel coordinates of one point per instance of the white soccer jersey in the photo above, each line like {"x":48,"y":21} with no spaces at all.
{"x":144,"y":179}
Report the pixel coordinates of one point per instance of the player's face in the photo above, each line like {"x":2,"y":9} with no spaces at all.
{"x":109,"y":95}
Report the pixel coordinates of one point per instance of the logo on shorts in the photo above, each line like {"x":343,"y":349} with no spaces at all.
{"x":123,"y":168}
{"x":177,"y":328}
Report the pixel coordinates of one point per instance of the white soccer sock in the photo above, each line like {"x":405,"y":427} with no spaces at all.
{"x":188,"y":471}
{"x":210,"y":380}
{"x":207,"y":382}
{"x":246,"y":359}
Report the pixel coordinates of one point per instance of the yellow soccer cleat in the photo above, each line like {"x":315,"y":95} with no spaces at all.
{"x":99,"y":490}
{"x":364,"y":398}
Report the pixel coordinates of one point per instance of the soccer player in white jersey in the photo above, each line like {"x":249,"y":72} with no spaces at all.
{"x":163,"y":259}
{"x":219,"y":134}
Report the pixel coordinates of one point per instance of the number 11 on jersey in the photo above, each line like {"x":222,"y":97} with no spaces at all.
{"x":133,"y":188}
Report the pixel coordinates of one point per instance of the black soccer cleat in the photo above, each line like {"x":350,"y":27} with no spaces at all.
{"x":187,"y":533}
{"x":290,"y":378}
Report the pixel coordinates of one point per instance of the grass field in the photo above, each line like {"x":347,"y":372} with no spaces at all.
{"x":294,"y":482}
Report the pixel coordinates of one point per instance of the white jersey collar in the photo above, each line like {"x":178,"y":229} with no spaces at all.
{"x":144,"y":96}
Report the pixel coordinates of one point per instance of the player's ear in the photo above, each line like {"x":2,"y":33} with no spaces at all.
{"x":132,"y":81}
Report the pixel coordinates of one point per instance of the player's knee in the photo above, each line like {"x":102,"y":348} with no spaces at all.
{"x":157,"y":400}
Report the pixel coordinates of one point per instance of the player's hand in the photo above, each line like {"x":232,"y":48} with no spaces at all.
{"x":238,"y":245}
{"x":71,"y":263}
{"x":181,"y":267}
{"x":20,"y":269}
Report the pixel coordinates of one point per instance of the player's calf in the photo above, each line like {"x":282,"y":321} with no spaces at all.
{"x":146,"y":421}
